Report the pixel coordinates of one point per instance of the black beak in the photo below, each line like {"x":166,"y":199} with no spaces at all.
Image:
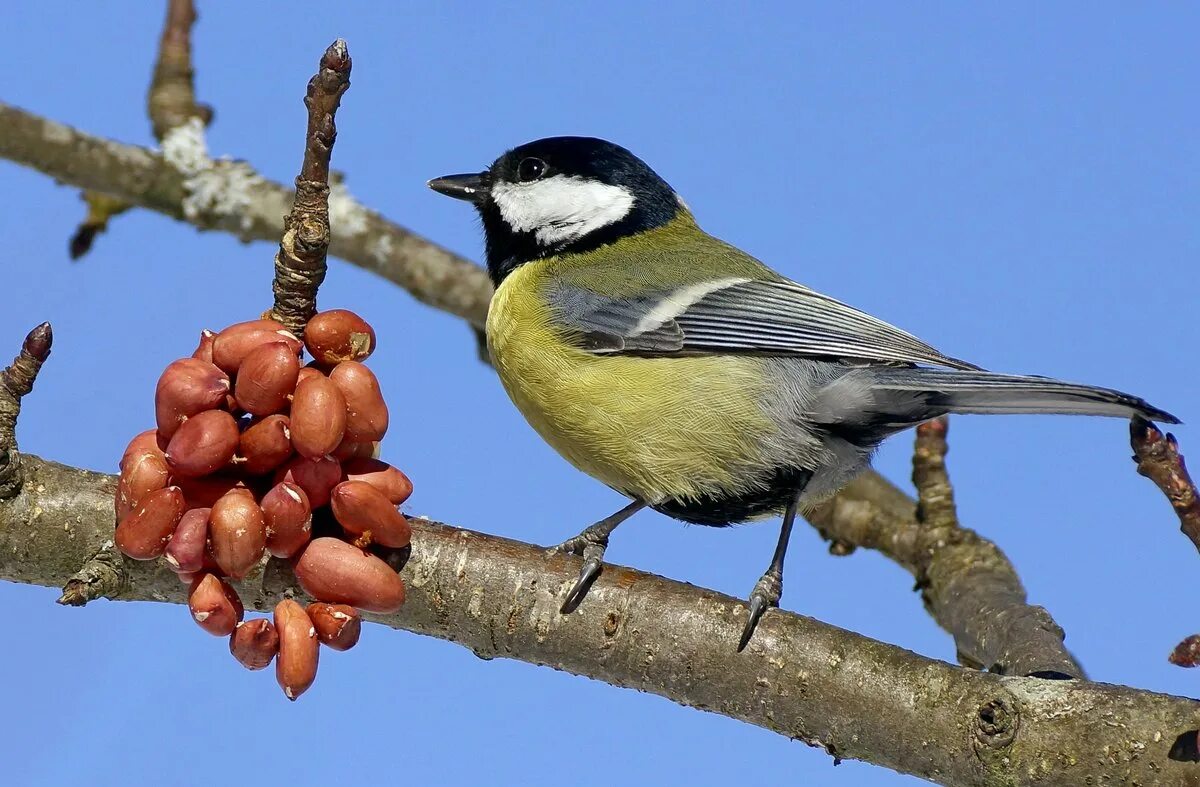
{"x":471,"y":188}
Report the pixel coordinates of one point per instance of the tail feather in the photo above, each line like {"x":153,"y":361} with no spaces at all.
{"x":984,"y":392}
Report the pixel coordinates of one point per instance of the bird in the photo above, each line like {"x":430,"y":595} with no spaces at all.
{"x":689,"y":376}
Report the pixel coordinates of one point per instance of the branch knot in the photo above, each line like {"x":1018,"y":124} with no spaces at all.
{"x":996,"y":724}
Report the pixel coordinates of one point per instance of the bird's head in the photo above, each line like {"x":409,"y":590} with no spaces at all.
{"x":561,"y":195}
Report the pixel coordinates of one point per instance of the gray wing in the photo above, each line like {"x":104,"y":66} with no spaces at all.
{"x":738,"y":315}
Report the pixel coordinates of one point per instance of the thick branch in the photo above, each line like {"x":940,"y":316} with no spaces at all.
{"x":855,"y":697}
{"x":300,"y":263}
{"x":968,"y":585}
{"x":232,"y":197}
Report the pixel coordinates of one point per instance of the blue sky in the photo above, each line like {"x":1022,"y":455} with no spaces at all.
{"x":1015,"y":184}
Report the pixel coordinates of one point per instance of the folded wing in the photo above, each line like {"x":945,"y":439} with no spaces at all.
{"x":739,"y":315}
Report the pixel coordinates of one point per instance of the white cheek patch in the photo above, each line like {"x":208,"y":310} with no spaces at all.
{"x":561,"y":208}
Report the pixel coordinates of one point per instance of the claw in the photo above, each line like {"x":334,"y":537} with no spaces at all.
{"x":590,"y":545}
{"x":757,"y":607}
{"x":587,"y":575}
{"x":766,"y":594}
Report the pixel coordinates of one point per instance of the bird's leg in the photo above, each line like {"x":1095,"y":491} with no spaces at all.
{"x":769,"y":588}
{"x":590,"y":545}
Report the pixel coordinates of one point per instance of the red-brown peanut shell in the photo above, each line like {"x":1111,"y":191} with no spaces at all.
{"x":384,"y":477}
{"x":366,"y":411}
{"x":203,"y":492}
{"x":317,"y":477}
{"x":318,"y":417}
{"x":307,"y":373}
{"x":185,"y":550}
{"x":338,"y":625}
{"x":265,"y":444}
{"x":147,"y":442}
{"x":254,"y":643}
{"x":348,"y":449}
{"x":338,"y":335}
{"x":288,"y":518}
{"x":233,"y":344}
{"x":296,"y":664}
{"x":140,"y":475}
{"x":215,"y":605}
{"x":360,"y":508}
{"x":237,"y":532}
{"x":144,"y":532}
{"x":266,"y":378}
{"x":331,"y":570}
{"x":203,"y":444}
{"x":204,"y":350}
{"x":187,"y":387}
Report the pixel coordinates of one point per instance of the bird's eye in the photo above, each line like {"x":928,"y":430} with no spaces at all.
{"x":530,"y":169}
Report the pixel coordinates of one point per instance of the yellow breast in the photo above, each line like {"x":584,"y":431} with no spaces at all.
{"x":654,"y":428}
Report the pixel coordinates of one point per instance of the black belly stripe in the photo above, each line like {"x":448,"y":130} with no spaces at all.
{"x":718,"y":510}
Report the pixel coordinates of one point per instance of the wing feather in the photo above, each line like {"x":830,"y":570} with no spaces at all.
{"x":739,"y":315}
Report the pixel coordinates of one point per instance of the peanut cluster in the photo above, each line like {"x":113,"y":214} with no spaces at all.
{"x":252,"y":453}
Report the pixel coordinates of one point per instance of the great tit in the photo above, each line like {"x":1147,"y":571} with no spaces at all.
{"x":684,"y":373}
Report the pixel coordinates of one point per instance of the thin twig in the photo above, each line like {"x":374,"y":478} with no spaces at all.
{"x":1187,"y":652}
{"x":15,"y":382}
{"x":935,"y":495}
{"x":170,"y":103}
{"x":102,"y":576}
{"x":171,"y":100}
{"x":968,"y":585}
{"x":1158,"y":458}
{"x":300,"y":264}
{"x":101,"y":208}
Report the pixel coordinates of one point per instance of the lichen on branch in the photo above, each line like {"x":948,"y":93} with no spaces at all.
{"x":231,"y":196}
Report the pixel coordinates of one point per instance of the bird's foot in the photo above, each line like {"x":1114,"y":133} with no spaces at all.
{"x":767,"y":592}
{"x":589,"y":545}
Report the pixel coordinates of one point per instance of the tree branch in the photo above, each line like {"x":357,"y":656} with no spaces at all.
{"x":170,"y":103}
{"x":171,"y":100}
{"x":977,"y":590}
{"x":968,"y":585}
{"x":230,"y":196}
{"x":855,"y":697}
{"x":1158,"y":459}
{"x":15,"y":382}
{"x":300,"y":264}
